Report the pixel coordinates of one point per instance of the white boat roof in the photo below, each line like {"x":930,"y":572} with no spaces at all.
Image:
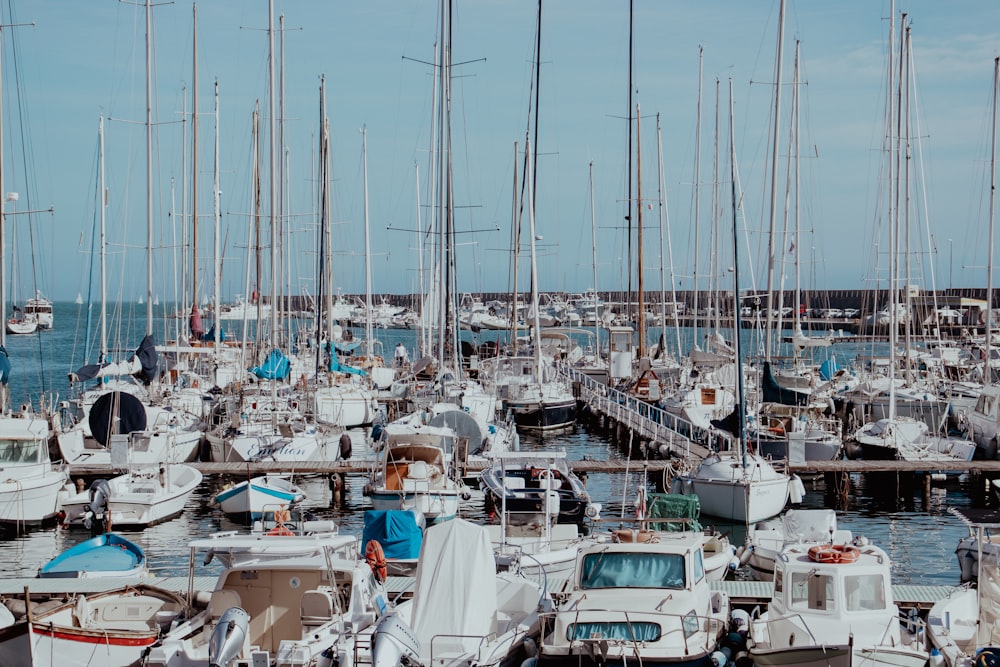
{"x":533,"y":456}
{"x":273,"y":543}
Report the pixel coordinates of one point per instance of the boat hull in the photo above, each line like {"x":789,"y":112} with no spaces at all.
{"x":31,"y":500}
{"x":543,"y":416}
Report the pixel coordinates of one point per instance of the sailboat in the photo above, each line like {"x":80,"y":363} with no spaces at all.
{"x":32,"y":488}
{"x":737,"y":484}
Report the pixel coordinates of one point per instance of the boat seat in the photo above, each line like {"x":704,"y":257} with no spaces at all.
{"x":317,"y":607}
{"x":418,"y":470}
{"x":222,"y":600}
{"x":627,"y":535}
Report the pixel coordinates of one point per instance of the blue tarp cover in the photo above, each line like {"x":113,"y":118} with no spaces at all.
{"x":337,"y":367}
{"x":275,"y":367}
{"x":4,"y":365}
{"x":396,"y":530}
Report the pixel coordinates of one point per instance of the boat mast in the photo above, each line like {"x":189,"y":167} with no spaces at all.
{"x":323,"y":222}
{"x":697,"y":199}
{"x":664,"y":220}
{"x":534,"y":272}
{"x":641,"y":302}
{"x":273,"y":168}
{"x":368,"y":249}
{"x":217,"y":224}
{"x":593,"y":246}
{"x":737,"y":319}
{"x":194,"y":159}
{"x":149,"y":168}
{"x":768,"y":332}
{"x":987,"y":372}
{"x":628,"y":197}
{"x":104,"y":262}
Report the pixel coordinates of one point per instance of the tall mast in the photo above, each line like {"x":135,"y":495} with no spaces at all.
{"x":273,"y":175}
{"x":194,"y":159}
{"x":149,"y":168}
{"x":104,"y":262}
{"x":217,"y":223}
{"x":593,"y":246}
{"x":737,"y":322}
{"x":697,"y":195}
{"x":768,"y":332}
{"x":987,"y":375}
{"x":641,"y":302}
{"x":322,"y":298}
{"x":534,"y":274}
{"x":368,"y":248}
{"x":628,"y":216}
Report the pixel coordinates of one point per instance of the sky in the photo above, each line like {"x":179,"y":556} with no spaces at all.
{"x":68,"y":63}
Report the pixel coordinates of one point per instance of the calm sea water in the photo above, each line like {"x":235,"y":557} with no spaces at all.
{"x":919,"y":533}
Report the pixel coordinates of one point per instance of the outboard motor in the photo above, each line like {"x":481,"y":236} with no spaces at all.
{"x":228,"y":637}
{"x":98,"y":515}
{"x":392,"y":641}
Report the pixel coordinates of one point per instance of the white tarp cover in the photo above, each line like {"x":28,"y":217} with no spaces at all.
{"x":456,"y":590}
{"x":809,"y":525}
{"x":989,"y":599}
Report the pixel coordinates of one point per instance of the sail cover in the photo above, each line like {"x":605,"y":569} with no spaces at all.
{"x":455,"y":598}
{"x":116,"y":413}
{"x":4,"y":365}
{"x":275,"y":367}
{"x":337,"y":367}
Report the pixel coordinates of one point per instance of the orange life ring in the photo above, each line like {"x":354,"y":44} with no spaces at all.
{"x":834,"y":553}
{"x":779,"y":429}
{"x":375,"y":558}
{"x":281,"y":530}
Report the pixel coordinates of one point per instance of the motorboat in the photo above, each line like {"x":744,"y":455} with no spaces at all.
{"x":528,"y":486}
{"x":113,"y":628}
{"x":142,"y":497}
{"x":246,"y":501}
{"x":106,"y":555}
{"x":832,"y":605}
{"x":40,"y":307}
{"x":643,"y":601}
{"x":32,"y":487}
{"x":766,"y":540}
{"x":282,"y":612}
{"x":415,"y":470}
{"x":962,"y":627}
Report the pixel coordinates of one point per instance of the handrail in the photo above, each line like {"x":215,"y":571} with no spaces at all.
{"x":660,"y":425}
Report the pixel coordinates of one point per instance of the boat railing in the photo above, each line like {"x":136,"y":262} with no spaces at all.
{"x":649,"y":420}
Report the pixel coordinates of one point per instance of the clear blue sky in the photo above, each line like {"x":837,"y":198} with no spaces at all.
{"x":84,"y":59}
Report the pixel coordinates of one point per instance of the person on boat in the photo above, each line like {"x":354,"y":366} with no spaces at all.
{"x":401,"y":356}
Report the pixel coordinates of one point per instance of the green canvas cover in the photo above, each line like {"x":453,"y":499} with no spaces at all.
{"x":673,"y":506}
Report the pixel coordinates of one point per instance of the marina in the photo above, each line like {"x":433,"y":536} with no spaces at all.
{"x":276,"y":434}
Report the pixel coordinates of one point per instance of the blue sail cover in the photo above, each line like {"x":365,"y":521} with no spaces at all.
{"x":276,"y":367}
{"x":396,"y":530}
{"x":337,"y":367}
{"x":4,"y":365}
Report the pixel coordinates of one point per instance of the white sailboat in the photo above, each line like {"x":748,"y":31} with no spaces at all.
{"x":737,"y":484}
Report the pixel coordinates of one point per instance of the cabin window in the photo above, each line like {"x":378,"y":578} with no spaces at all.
{"x":699,"y":565}
{"x":865,"y":592}
{"x":18,"y":451}
{"x":632,"y":570}
{"x":620,"y":630}
{"x":812,"y":590}
{"x":985,"y":404}
{"x":778,"y":576}
{"x":690,"y":624}
{"x":708,"y":396}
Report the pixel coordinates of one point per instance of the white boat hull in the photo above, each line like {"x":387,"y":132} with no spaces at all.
{"x":139,"y":500}
{"x":31,"y":499}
